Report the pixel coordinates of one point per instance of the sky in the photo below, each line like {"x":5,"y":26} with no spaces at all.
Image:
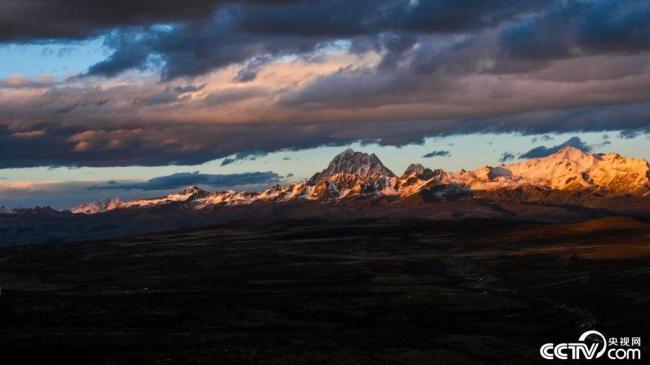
{"x":140,"y":98}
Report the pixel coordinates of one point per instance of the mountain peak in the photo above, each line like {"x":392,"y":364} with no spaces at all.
{"x":190,"y":193}
{"x":354,"y":163}
{"x":571,"y":168}
{"x":421,"y":172}
{"x":414,"y":168}
{"x":571,"y":153}
{"x":190,"y":190}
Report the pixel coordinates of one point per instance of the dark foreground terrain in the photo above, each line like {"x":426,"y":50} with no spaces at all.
{"x":367,"y":292}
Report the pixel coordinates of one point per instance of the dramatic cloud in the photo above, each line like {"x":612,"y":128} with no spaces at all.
{"x":255,"y":33}
{"x":542,"y":151}
{"x":184,"y":179}
{"x":51,"y":19}
{"x":159,"y":143}
{"x":437,"y":154}
{"x":192,"y":81}
{"x":498,"y":36}
{"x":579,"y":28}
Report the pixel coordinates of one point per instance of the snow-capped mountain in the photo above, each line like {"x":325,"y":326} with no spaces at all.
{"x":359,"y":164}
{"x":351,"y":174}
{"x":417,"y":178}
{"x":569,"y":169}
{"x":359,"y":175}
{"x":98,"y":207}
{"x":190,"y":194}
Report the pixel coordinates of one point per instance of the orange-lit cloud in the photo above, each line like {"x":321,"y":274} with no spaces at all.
{"x":270,"y":75}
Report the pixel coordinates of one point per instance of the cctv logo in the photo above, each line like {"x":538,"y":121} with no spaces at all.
{"x":594,"y":349}
{"x":576,"y":350}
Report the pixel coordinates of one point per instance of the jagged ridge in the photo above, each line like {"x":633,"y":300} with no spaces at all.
{"x":355,"y":174}
{"x":359,"y":164}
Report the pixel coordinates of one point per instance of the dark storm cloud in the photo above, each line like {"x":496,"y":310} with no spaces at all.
{"x":194,"y":49}
{"x":542,"y":151}
{"x":445,"y":67}
{"x":75,"y":19}
{"x":578,"y":28}
{"x":128,"y":54}
{"x":395,"y":46}
{"x":535,"y":33}
{"x":193,"y":178}
{"x":202,"y":35}
{"x":342,"y":18}
{"x":256,"y":33}
{"x":437,"y":154}
{"x":155,"y":144}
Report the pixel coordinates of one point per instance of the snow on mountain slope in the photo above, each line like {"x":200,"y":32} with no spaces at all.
{"x":190,"y":194}
{"x":356,"y":174}
{"x":98,"y":207}
{"x":352,"y":174}
{"x":567,"y":169}
{"x":359,"y":164}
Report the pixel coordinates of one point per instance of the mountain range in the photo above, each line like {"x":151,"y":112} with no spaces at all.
{"x":568,"y":186}
{"x":567,"y":176}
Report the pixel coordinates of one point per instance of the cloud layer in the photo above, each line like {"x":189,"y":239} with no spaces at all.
{"x":76,"y":19}
{"x":65,"y":194}
{"x":188,"y":82}
{"x":184,"y":179}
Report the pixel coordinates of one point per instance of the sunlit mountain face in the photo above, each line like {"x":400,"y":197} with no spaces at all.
{"x":569,"y":185}
{"x":143,"y":98}
{"x":355,"y":175}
